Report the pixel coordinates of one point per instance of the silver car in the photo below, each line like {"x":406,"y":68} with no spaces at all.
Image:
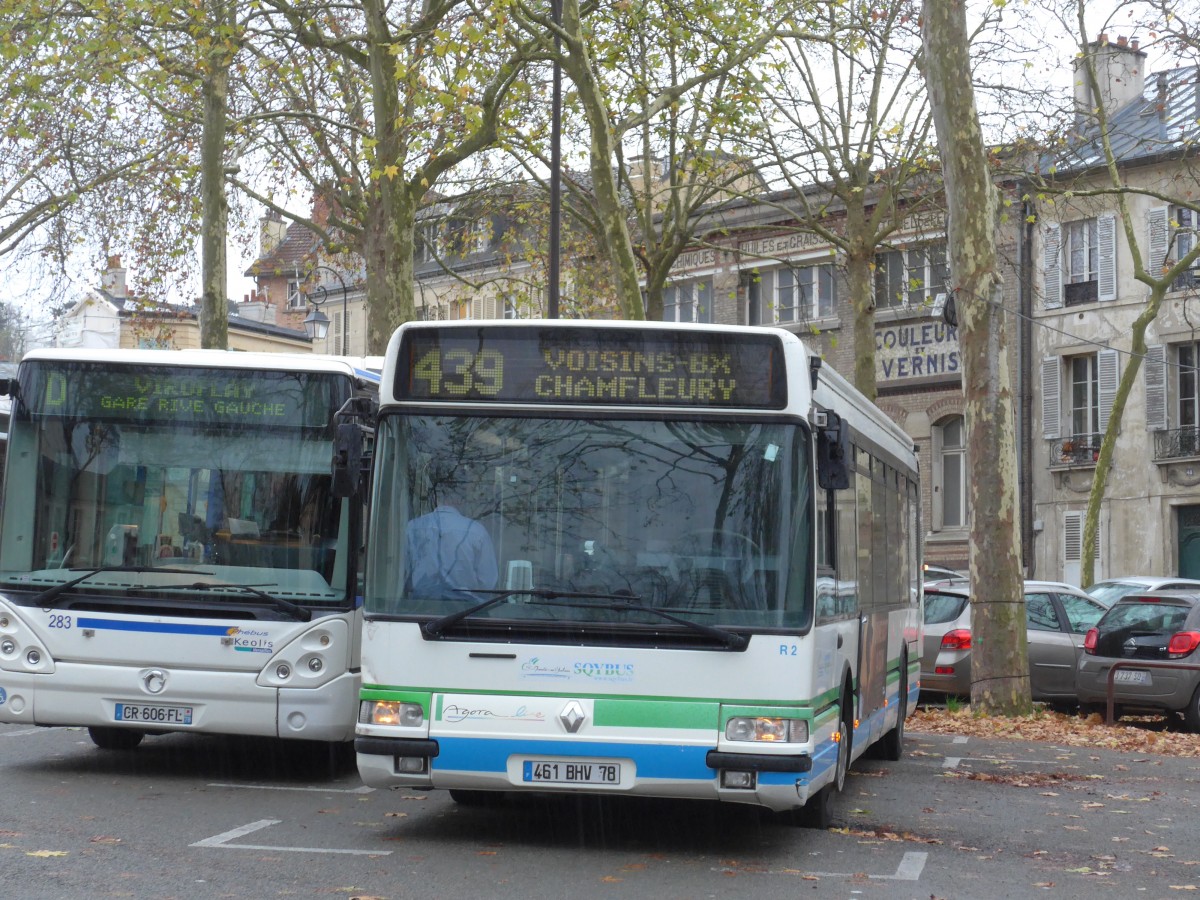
{"x":1111,"y":590}
{"x":1160,"y":627}
{"x":1057,"y":617}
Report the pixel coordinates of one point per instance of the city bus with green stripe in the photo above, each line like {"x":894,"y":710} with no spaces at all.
{"x":634,"y":559}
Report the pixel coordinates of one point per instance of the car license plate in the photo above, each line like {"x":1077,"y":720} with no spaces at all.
{"x":571,"y":771}
{"x":151,"y":714}
{"x":1131,"y":676}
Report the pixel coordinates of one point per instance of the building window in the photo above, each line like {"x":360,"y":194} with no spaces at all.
{"x":1085,"y":396}
{"x":1183,"y":224}
{"x":792,"y":294}
{"x":1077,"y":397}
{"x":950,"y":474}
{"x":688,"y":301}
{"x":1081,"y":257}
{"x":295,"y":299}
{"x":910,"y":277}
{"x":1080,"y":262}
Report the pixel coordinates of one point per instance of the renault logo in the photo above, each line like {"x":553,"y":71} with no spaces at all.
{"x":572,"y":716}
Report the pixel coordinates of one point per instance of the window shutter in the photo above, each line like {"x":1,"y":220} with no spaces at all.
{"x":1051,"y":401}
{"x":1073,"y":537}
{"x":1108,"y":370}
{"x":1052,"y":266}
{"x":1155,"y":366}
{"x":1157,"y":239}
{"x":767,"y":293}
{"x":1106,"y":236}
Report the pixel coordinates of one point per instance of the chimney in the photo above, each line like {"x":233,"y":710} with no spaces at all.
{"x":113,"y":280}
{"x":271,"y":229}
{"x":1120,"y":74}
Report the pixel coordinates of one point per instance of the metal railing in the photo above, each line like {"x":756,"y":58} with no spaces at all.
{"x":1137,"y":664}
{"x":1078,"y":450}
{"x":1179,"y":443}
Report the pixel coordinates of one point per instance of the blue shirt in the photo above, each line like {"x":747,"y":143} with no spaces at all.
{"x":444,"y":550}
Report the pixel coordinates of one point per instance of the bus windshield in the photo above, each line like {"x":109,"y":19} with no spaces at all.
{"x":224,"y":473}
{"x":709,"y":520}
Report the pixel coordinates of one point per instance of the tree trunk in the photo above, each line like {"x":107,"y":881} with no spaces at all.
{"x":617,"y":242}
{"x":214,"y":224}
{"x":999,"y":660}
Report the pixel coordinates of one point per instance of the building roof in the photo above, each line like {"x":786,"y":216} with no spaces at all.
{"x":1164,"y":120}
{"x":295,"y":252}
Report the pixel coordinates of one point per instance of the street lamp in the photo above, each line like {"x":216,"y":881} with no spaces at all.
{"x":316,"y":324}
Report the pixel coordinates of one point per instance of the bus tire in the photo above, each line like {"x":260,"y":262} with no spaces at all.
{"x":115,"y":738}
{"x":891,"y":745}
{"x":818,"y":811}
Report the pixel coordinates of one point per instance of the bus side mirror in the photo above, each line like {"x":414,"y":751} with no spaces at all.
{"x":347,"y":468}
{"x":833,"y":452}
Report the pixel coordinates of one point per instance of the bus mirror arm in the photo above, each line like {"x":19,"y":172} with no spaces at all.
{"x":347,"y":466}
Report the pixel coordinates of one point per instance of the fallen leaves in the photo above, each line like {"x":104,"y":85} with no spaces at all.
{"x":1148,"y":735}
{"x":884,"y":835}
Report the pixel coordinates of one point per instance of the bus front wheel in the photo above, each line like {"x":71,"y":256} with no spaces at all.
{"x":818,"y":811}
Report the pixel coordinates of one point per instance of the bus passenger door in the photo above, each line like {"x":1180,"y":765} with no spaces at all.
{"x":872,"y":663}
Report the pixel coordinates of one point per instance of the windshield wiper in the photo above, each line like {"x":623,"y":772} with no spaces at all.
{"x":436,"y":627}
{"x":301,"y":613}
{"x":47,"y":597}
{"x":730,"y":639}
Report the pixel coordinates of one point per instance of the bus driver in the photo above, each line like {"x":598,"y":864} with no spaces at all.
{"x":448,"y":555}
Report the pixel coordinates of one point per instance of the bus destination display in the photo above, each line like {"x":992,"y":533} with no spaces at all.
{"x":271,"y":399}
{"x":554,"y":364}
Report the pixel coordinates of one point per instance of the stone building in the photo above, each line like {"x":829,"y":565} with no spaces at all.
{"x":1087,"y":257}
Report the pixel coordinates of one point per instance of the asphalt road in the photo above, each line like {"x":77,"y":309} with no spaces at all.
{"x":192,"y":817}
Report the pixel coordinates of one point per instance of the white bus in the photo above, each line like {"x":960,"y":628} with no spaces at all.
{"x":634,"y":558}
{"x":175,"y":553}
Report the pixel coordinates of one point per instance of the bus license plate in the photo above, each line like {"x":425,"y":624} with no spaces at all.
{"x":1132,"y":676}
{"x":149,"y":714}
{"x":571,"y":771}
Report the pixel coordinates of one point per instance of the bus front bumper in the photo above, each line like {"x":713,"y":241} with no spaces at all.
{"x":778,"y":782}
{"x":189,"y":700}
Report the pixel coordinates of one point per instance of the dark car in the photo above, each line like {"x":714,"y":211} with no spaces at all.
{"x":1057,"y":617}
{"x":1161,"y":627}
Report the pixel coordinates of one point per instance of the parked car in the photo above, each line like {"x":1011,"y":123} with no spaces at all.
{"x":1150,"y":626}
{"x":1111,"y":590}
{"x":1057,"y":617}
{"x":941,"y":575}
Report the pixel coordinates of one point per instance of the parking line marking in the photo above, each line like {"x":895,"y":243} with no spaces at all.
{"x":362,"y":789}
{"x":960,"y":740}
{"x":20,"y":733}
{"x":222,"y":841}
{"x":910,"y":868}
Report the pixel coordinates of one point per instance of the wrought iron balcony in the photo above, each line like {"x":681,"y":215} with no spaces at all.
{"x":1076,"y":451}
{"x":1180,"y":443}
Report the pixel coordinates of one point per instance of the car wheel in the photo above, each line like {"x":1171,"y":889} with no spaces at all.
{"x":1191,"y":715}
{"x":115,"y":738}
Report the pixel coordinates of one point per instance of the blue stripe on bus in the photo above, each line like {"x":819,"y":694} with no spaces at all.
{"x":665,"y":761}
{"x":154,"y":627}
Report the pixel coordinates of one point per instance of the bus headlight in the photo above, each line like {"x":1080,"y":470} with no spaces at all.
{"x":391,"y":712}
{"x":768,"y":729}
